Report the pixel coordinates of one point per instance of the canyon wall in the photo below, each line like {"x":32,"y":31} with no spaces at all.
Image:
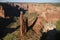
{"x":51,"y":12}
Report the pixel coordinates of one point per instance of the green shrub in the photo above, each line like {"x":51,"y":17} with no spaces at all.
{"x":58,"y":25}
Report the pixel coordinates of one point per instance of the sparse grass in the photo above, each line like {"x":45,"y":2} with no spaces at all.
{"x":56,"y":4}
{"x":12,"y":36}
{"x":8,"y":37}
{"x":58,"y":25}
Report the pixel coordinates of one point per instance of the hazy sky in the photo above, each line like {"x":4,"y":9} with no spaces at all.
{"x":39,"y":1}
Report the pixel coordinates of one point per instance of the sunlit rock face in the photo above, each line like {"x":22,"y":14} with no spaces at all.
{"x":52,"y":12}
{"x":1,"y":11}
{"x":48,"y":27}
{"x":48,"y":11}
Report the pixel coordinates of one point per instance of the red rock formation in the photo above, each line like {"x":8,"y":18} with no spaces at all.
{"x":52,"y":12}
{"x":1,"y":12}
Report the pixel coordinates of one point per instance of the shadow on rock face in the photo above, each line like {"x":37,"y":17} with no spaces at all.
{"x":10,"y":11}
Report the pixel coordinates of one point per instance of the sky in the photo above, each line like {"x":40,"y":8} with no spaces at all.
{"x":38,"y":1}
